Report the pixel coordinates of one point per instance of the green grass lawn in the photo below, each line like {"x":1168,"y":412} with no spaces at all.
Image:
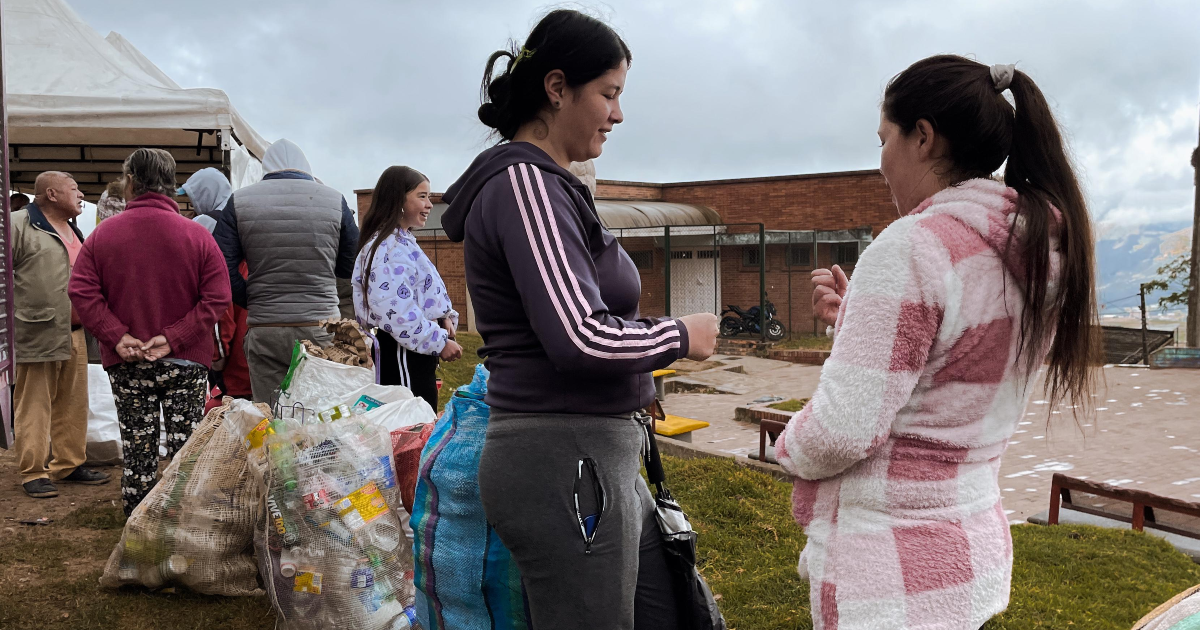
{"x":792,"y":405}
{"x":461,"y":371}
{"x":1064,"y":576}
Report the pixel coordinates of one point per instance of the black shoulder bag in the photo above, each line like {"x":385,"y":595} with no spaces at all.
{"x":697,"y":608}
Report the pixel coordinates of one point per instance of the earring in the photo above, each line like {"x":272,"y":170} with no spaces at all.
{"x":557,"y":104}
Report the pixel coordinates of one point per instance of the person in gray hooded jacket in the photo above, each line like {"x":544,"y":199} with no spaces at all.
{"x":297,"y":237}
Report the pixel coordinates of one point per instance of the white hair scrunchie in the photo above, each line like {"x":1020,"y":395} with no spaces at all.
{"x":1002,"y":75}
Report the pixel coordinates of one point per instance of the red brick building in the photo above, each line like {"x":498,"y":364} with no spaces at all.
{"x":714,"y":237}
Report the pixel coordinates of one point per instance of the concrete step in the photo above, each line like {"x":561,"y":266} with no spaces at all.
{"x":805,"y":357}
{"x":744,"y":347}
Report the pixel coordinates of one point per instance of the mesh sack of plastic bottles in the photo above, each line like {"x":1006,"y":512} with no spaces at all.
{"x":466,"y":578}
{"x":196,"y":527}
{"x":333,"y":551}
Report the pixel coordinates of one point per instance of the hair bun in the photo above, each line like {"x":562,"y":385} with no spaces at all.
{"x":489,"y":115}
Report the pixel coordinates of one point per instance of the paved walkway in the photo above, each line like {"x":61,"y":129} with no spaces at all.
{"x":1145,"y":433}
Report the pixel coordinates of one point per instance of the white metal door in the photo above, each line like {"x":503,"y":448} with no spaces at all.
{"x":695,"y":282}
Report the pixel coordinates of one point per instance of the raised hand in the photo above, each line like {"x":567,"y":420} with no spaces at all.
{"x":829,"y":288}
{"x":130,"y":349}
{"x":156,"y":348}
{"x":702,"y":335}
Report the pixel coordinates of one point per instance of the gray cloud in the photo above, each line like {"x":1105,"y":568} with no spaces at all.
{"x":718,"y":89}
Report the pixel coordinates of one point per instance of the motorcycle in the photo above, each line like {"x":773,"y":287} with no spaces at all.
{"x":735,"y":321}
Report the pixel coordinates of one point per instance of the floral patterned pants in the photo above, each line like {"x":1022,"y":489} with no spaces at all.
{"x":141,"y":389}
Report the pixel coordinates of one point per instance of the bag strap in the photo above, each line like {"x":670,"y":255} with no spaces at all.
{"x":654,"y":468}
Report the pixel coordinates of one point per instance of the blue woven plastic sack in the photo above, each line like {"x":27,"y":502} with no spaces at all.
{"x":466,"y":579}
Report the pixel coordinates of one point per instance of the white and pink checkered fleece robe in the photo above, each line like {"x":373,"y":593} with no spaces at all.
{"x":898,"y":453}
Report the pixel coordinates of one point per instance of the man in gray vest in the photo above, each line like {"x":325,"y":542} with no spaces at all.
{"x":297,"y":236}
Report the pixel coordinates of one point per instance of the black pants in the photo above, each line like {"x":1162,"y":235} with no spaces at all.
{"x":400,"y":366}
{"x":141,"y":391}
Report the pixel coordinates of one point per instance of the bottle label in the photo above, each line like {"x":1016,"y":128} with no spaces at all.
{"x":308,"y":582}
{"x":254,"y":439}
{"x":362,"y":507}
{"x":362,"y":578}
{"x":335,"y":413}
{"x":316,"y":500}
{"x":364,"y":404}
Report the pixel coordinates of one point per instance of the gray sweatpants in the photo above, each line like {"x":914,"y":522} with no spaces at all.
{"x":532,"y":469}
{"x":269,"y":353}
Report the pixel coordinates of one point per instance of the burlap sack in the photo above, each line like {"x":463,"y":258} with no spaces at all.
{"x":196,"y":527}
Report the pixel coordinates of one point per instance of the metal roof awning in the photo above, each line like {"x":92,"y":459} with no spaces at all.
{"x":645,"y":214}
{"x":632,"y":218}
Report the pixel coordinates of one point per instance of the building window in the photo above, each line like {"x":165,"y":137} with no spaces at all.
{"x":643,"y":259}
{"x":683,"y":255}
{"x":708,"y":254}
{"x":750,"y":256}
{"x":845,"y":253}
{"x":800,"y":255}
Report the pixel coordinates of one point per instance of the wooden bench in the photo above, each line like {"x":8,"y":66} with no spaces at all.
{"x":768,"y":428}
{"x":678,"y":427}
{"x":1144,"y":504}
{"x":660,"y":386}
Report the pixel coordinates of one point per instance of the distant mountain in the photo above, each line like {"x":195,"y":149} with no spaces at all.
{"x":1131,"y":255}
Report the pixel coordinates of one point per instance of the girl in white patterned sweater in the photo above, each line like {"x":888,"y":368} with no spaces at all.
{"x":398,"y":290}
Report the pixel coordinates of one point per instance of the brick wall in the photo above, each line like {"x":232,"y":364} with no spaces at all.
{"x":834,"y":201}
{"x":448,"y":258}
{"x":628,"y":191}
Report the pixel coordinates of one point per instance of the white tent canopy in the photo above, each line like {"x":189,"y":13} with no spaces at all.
{"x":81,"y":103}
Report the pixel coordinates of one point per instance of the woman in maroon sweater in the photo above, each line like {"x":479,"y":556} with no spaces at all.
{"x":150,"y":285}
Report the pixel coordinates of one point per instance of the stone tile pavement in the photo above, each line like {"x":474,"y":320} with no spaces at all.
{"x":1145,"y":432}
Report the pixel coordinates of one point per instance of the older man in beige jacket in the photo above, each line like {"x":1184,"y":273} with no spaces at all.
{"x":51,"y":394}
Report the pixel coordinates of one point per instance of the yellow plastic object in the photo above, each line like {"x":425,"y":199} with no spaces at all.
{"x":662,"y":373}
{"x":678,"y":425}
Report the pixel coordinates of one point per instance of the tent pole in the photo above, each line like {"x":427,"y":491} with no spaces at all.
{"x":8,"y":352}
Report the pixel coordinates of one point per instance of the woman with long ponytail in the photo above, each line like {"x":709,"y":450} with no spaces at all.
{"x":938,"y":341}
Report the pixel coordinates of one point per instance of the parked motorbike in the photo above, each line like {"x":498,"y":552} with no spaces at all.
{"x":735,"y":321}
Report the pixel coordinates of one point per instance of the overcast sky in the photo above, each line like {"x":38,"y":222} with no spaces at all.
{"x":718,"y":88}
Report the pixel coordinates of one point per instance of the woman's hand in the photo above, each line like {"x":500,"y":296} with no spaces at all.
{"x":829,"y":288}
{"x":156,"y":348}
{"x":130,"y":349}
{"x":451,"y":352}
{"x":702,"y":335}
{"x":445,"y":324}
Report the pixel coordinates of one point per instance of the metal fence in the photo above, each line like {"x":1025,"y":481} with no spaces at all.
{"x":740,"y":271}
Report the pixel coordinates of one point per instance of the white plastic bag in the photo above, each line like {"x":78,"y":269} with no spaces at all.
{"x":103,"y":429}
{"x":318,"y":384}
{"x":400,"y":414}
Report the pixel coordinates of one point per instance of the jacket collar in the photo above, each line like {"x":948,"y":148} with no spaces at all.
{"x":153,"y":201}
{"x":38,"y":219}
{"x":288,"y":174}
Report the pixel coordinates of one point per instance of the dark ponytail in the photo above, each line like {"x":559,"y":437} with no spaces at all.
{"x":961,"y":101}
{"x":579,"y":45}
{"x":1041,"y":173}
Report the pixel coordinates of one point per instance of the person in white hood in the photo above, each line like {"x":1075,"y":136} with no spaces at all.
{"x":208,"y":189}
{"x":297,"y":236}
